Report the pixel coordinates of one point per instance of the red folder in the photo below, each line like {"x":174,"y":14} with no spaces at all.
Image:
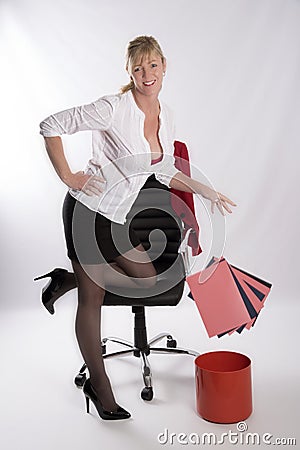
{"x":228,"y":298}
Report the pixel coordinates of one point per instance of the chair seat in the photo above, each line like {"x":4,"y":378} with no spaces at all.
{"x":169,"y":298}
{"x":165,"y":293}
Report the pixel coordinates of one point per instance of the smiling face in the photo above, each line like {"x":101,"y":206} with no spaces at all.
{"x":147,"y":73}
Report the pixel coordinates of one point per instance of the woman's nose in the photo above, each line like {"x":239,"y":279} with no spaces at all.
{"x":146,"y":72}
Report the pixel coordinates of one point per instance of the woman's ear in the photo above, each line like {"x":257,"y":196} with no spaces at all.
{"x":164,"y":65}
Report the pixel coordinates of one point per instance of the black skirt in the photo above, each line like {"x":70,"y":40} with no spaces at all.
{"x":91,"y":238}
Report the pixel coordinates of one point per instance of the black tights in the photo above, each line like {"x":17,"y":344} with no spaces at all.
{"x":91,"y":280}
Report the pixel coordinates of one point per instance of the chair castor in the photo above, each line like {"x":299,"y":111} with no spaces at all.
{"x":147,"y":394}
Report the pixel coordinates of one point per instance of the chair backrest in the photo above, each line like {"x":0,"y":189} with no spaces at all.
{"x":156,"y":223}
{"x":160,"y":232}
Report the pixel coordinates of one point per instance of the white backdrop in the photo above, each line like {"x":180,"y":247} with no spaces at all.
{"x":232,"y":81}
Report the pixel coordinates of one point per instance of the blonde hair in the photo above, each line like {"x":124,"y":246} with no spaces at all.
{"x":136,"y":50}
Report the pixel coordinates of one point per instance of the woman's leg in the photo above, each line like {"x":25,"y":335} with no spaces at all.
{"x":114,"y":276}
{"x":132,"y":269}
{"x":138,"y":267}
{"x":91,"y":281}
{"x":88,"y":333}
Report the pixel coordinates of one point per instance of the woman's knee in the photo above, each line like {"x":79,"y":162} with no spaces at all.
{"x":138,"y":266}
{"x":148,"y":280}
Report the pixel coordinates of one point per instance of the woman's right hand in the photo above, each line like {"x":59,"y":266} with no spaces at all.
{"x":89,"y":184}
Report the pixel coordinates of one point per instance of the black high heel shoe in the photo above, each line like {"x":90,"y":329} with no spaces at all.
{"x":90,"y":394}
{"x":54,"y":289}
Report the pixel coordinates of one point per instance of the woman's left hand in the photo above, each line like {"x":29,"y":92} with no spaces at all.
{"x":217,"y":199}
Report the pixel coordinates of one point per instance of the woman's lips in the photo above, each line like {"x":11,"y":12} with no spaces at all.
{"x":149,"y":83}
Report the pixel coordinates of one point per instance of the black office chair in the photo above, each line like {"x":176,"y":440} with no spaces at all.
{"x":160,"y":232}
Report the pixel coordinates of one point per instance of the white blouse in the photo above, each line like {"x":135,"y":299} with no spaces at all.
{"x":120,"y":152}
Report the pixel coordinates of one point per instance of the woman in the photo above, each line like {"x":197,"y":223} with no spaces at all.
{"x":133,"y":138}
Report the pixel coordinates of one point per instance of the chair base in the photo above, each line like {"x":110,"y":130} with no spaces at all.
{"x":171,"y":348}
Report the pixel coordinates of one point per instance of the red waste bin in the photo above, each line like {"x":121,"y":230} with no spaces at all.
{"x":223,"y":386}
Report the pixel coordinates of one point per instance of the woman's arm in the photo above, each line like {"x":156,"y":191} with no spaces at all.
{"x":79,"y":180}
{"x":185,"y":183}
{"x":93,"y":116}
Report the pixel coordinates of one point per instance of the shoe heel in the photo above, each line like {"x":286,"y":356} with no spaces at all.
{"x":51,"y":274}
{"x":42,"y":276}
{"x":87,"y":400}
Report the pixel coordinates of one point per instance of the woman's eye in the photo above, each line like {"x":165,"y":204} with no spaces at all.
{"x":153,"y":65}
{"x":136,"y":69}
